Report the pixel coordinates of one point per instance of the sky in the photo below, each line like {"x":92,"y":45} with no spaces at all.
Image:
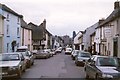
{"x":62,"y":16}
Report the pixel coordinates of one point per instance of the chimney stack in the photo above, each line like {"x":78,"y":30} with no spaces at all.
{"x":116,"y":5}
{"x":44,"y":23}
{"x":101,"y":20}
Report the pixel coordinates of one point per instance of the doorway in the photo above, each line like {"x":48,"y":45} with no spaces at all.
{"x":115,"y":48}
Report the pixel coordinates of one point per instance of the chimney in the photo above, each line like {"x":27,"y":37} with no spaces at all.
{"x":101,"y":20}
{"x":116,"y":5}
{"x":44,"y":23}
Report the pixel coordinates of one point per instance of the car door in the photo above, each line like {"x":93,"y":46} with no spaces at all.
{"x":31,"y":57}
{"x":91,"y":68}
{"x":22,"y":62}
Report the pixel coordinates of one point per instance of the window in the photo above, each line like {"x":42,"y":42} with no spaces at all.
{"x":7,"y":29}
{"x":18,"y":20}
{"x":28,"y":35}
{"x":7,"y":47}
{"x":7,"y":17}
{"x":18,"y":31}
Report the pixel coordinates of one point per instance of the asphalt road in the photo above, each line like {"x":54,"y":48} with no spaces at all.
{"x":58,"y":66}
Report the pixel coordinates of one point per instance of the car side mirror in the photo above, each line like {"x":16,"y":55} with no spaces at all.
{"x":89,"y":60}
{"x":22,"y":59}
{"x":93,"y":63}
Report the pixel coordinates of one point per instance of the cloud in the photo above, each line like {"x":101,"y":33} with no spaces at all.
{"x":63,"y":16}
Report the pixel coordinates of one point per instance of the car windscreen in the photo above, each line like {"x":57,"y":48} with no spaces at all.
{"x":83,"y":54}
{"x":9,"y":57}
{"x":107,"y":61}
{"x":25,"y":53}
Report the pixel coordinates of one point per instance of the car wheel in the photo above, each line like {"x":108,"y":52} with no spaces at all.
{"x":24,"y":69}
{"x":33,"y":63}
{"x":76,"y":63}
{"x":96,"y":77}
{"x":87,"y":76}
{"x":19,"y":74}
{"x":28,"y":66}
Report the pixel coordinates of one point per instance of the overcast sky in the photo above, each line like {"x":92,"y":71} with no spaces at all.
{"x":62,"y":16}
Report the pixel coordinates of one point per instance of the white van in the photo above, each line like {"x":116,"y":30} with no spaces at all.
{"x":22,"y":49}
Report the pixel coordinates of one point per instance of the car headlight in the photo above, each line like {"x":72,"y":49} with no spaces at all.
{"x":13,"y":68}
{"x":107,"y":76}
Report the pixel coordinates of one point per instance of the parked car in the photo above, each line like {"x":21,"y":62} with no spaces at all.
{"x":22,"y":49}
{"x":42,"y":54}
{"x":82,"y":57}
{"x":58,"y":50}
{"x":49,"y":52}
{"x":74,"y":54}
{"x":53,"y":51}
{"x":29,"y":58}
{"x":12,"y":65}
{"x":68,"y":51}
{"x":102,"y":67}
{"x":34,"y":53}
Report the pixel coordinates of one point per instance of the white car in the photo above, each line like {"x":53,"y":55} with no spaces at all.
{"x":74,"y":54}
{"x":58,"y":50}
{"x":68,"y":51}
{"x":12,"y":65}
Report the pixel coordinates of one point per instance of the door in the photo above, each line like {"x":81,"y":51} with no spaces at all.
{"x":115,"y":48}
{"x":1,"y":45}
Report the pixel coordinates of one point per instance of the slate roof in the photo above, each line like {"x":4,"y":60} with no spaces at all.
{"x":37,"y":32}
{"x":115,"y":14}
{"x":48,"y":32}
{"x":4,"y":7}
{"x":25,"y":25}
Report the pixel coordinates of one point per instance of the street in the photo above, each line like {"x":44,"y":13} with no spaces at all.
{"x":58,"y":66}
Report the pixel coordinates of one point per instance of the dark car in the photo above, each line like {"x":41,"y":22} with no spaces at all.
{"x":82,"y":57}
{"x":102,"y":67}
{"x":12,"y":65}
{"x":42,"y":54}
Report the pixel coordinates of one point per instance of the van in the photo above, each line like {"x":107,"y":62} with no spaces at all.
{"x":22,"y":49}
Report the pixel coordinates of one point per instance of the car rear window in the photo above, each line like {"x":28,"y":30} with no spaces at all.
{"x":84,"y":54}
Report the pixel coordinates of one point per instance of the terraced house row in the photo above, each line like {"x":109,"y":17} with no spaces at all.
{"x":103,"y":37}
{"x":15,"y":32}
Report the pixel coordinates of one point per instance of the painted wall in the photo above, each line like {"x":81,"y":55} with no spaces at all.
{"x":76,"y":41}
{"x":86,"y":36}
{"x":115,"y":29}
{"x":13,"y":25}
{"x":26,"y":37}
{"x":97,"y":39}
{"x":1,"y":34}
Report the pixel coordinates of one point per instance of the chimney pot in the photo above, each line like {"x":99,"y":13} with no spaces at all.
{"x":101,"y":20}
{"x":116,"y":5}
